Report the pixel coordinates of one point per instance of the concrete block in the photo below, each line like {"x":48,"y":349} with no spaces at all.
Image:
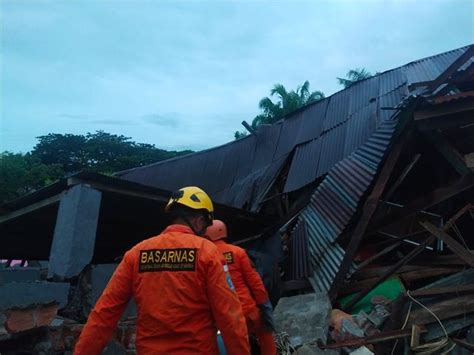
{"x":19,"y":274}
{"x":25,"y":294}
{"x":305,"y":317}
{"x":75,"y":232}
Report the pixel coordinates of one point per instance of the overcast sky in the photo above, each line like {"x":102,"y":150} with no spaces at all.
{"x":184,"y":74}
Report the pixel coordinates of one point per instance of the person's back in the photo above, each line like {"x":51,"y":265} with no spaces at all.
{"x":174,"y":307}
{"x":182,"y":293}
{"x":253,"y":296}
{"x":247,"y":281}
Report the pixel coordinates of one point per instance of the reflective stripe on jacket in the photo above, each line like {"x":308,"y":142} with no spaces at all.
{"x":247,"y":281}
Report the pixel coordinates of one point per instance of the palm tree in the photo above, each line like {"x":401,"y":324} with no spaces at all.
{"x":287,"y":103}
{"x":353,"y":76}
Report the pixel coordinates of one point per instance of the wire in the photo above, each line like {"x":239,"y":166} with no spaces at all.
{"x":433,"y":347}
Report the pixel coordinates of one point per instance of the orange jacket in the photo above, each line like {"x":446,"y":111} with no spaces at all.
{"x":246,"y":280}
{"x":182,"y":293}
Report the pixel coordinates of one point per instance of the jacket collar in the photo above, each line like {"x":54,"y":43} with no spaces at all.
{"x":181,"y":228}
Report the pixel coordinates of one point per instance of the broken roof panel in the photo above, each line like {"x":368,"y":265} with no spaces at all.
{"x":338,"y":108}
{"x":428,"y":69}
{"x":391,"y":79}
{"x":289,"y":136}
{"x":364,"y":94}
{"x":336,"y":126}
{"x":332,"y":148}
{"x":360,"y":127}
{"x":304,"y":165}
{"x":312,"y":121}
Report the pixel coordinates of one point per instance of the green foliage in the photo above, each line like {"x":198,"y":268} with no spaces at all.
{"x":57,"y":154}
{"x":287,"y":103}
{"x":20,"y":174}
{"x":100,"y":151}
{"x":353,"y":76}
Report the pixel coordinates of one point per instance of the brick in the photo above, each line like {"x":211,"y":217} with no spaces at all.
{"x":24,"y":319}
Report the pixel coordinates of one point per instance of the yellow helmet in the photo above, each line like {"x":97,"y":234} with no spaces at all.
{"x":192,"y":197}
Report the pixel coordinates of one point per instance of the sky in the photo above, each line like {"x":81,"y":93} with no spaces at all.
{"x":184,"y":74}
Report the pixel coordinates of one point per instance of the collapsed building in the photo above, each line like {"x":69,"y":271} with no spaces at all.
{"x":367,"y":190}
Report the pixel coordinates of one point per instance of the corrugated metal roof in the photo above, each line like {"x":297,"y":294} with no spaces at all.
{"x":304,"y":166}
{"x":430,"y":68}
{"x":336,"y":126}
{"x":335,"y":202}
{"x":300,"y":267}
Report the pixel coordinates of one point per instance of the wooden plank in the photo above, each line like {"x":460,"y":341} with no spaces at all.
{"x":441,"y":291}
{"x":434,"y":112}
{"x":442,"y":260}
{"x":452,"y":244}
{"x":390,"y":271}
{"x":452,"y":156}
{"x":444,"y":76}
{"x":408,"y":276}
{"x":381,"y":253}
{"x":424,"y":202}
{"x":380,"y":270}
{"x":445,"y":309}
{"x":402,"y":177}
{"x":464,"y":344}
{"x":373,"y":339}
{"x":369,"y":209}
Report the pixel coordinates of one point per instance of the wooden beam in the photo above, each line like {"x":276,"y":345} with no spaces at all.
{"x":444,"y":110}
{"x":369,"y":208}
{"x":452,"y":244}
{"x":417,"y":250}
{"x":31,"y":208}
{"x":445,"y":309}
{"x":402,"y":177}
{"x":384,"y":251}
{"x":442,"y":291}
{"x":444,"y":76}
{"x":373,"y":339}
{"x":453,"y":157}
{"x":406,"y":276}
{"x":123,"y":191}
{"x":446,"y":120}
{"x":464,"y":344}
{"x":424,"y":202}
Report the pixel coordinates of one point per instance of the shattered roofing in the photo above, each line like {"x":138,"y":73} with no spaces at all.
{"x":315,"y":138}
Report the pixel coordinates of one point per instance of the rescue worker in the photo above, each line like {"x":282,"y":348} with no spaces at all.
{"x":180,"y":285}
{"x":250,"y":288}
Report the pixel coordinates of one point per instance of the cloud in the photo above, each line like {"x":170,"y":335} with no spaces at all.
{"x":162,"y":120}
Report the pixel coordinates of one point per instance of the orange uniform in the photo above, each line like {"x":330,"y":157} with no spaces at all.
{"x":251,"y":291}
{"x":183,"y":295}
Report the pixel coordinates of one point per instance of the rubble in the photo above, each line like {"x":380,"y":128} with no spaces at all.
{"x":305,"y":318}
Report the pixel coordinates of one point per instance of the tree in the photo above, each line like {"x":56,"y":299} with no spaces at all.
{"x":20,"y":174}
{"x":99,"y":151}
{"x":287,"y":103}
{"x":58,"y":154}
{"x":353,"y":76}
